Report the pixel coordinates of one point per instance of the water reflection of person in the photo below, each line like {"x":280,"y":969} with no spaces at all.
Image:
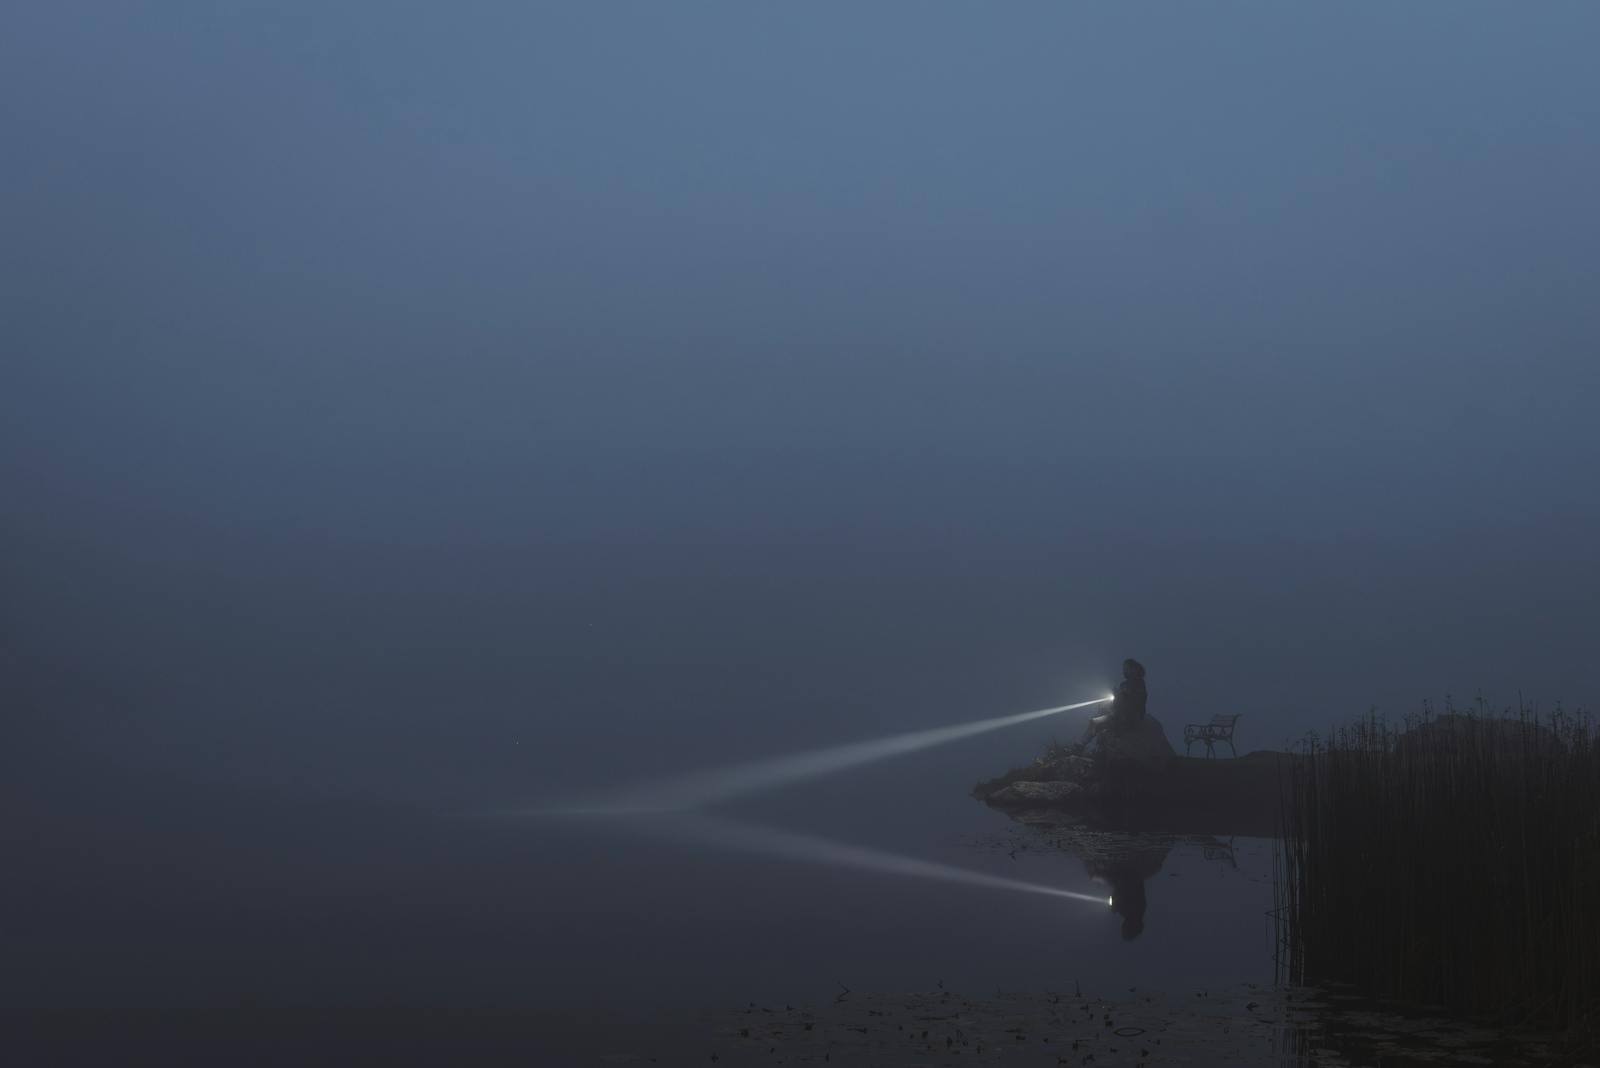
{"x":1128,"y":901}
{"x":1124,"y":870}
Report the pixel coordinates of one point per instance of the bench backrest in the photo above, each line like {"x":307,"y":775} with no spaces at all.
{"x":1220,"y":720}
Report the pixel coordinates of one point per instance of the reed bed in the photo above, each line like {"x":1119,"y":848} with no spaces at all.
{"x":1453,"y":862}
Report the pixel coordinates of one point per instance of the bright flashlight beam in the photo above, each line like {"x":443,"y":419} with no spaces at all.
{"x":749,"y":838}
{"x":709,"y":787}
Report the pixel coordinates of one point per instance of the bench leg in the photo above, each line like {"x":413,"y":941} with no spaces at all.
{"x":1231,"y":749}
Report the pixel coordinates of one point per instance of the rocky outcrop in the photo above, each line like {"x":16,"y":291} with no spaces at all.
{"x":1136,"y":779}
{"x":1143,"y":745}
{"x":1026,"y":794}
{"x":1084,"y":769}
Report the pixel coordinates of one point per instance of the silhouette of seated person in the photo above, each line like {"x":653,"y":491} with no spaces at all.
{"x":1127,"y":704}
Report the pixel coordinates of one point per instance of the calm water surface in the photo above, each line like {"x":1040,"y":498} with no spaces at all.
{"x":183,"y":895}
{"x":273,"y":779}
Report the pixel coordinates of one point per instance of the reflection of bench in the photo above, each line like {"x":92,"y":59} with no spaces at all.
{"x":1220,"y":729}
{"x":1215,"y":850}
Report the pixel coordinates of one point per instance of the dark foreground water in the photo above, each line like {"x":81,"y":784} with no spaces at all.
{"x":190,"y":924}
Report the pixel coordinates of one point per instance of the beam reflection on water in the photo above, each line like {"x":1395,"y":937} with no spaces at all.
{"x":771,"y":841}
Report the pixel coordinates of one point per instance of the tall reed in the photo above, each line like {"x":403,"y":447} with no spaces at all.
{"x":1453,"y":863}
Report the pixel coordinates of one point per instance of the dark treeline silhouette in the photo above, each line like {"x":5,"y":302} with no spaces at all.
{"x":1455,"y":863}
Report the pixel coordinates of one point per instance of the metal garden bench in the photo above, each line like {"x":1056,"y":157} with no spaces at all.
{"x":1220,"y":729}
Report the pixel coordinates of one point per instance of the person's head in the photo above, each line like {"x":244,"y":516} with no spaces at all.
{"x":1132,"y":669}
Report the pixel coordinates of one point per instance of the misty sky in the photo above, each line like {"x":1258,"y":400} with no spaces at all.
{"x":511,"y":366}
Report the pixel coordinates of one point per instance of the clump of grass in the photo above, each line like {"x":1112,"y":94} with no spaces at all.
{"x":1452,"y":863}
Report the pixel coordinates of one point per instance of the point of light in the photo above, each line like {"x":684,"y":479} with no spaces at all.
{"x":709,"y":787}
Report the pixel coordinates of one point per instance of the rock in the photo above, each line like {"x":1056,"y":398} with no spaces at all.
{"x":1135,"y":782}
{"x":1022,"y":794}
{"x":1145,"y":745}
{"x":1076,"y":768}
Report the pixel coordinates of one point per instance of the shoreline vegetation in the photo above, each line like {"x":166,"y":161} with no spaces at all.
{"x":1452,"y":862}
